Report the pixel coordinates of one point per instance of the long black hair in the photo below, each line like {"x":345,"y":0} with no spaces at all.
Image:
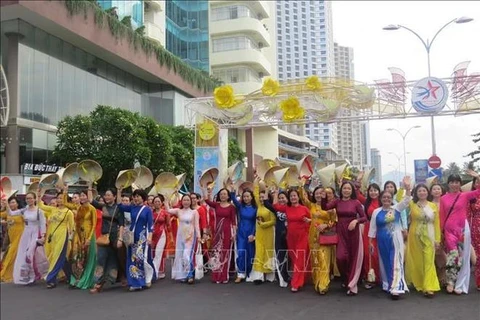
{"x":369,"y":200}
{"x":392,"y":183}
{"x":312,"y":198}
{"x":415,"y":191}
{"x":253,"y":203}
{"x":353,"y":195}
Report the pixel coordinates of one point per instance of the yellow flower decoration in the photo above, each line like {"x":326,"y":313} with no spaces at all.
{"x":270,"y":87}
{"x":224,"y":97}
{"x":291,"y":109}
{"x":313,"y":83}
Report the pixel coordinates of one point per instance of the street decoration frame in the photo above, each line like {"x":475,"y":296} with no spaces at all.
{"x":328,"y":100}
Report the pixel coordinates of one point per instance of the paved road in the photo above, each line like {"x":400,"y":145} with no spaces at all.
{"x":246,"y":301}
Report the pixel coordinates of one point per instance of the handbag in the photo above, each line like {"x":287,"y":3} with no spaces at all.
{"x":104,"y":239}
{"x":128,"y":236}
{"x":199,"y":262}
{"x":328,"y":238}
{"x":440,"y":254}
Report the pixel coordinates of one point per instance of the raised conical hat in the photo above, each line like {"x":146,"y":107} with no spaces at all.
{"x":263,"y":166}
{"x":430,"y":181}
{"x":181,"y":179}
{"x":367,"y":177}
{"x":70,"y":174}
{"x":306,"y":166}
{"x":340,"y":170}
{"x":48,"y":180}
{"x":165,"y":184}
{"x":33,"y":187}
{"x":467,"y":187}
{"x":6,"y":190}
{"x":90,"y":170}
{"x":144,"y":178}
{"x":244,"y":186}
{"x":125,"y":178}
{"x":269,"y":177}
{"x":235,"y":171}
{"x":153,"y":191}
{"x":327,"y":176}
{"x":208,"y":177}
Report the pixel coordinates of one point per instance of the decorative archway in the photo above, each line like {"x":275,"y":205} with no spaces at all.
{"x":328,"y":100}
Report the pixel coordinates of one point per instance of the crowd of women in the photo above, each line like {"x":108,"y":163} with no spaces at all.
{"x":414,"y":236}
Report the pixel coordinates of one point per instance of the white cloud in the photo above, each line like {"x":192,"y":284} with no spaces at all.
{"x":359,"y":25}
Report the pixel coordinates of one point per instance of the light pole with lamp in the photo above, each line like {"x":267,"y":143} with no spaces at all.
{"x":404,"y":136}
{"x":428,"y":45}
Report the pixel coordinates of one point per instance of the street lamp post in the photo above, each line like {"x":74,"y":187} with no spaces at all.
{"x":398,"y":168}
{"x":404,"y":136}
{"x":428,"y":45}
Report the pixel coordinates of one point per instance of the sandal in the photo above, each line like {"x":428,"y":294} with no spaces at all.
{"x":458,"y":291}
{"x":429,"y":294}
{"x":51,"y":285}
{"x":394,"y":296}
{"x":96,"y":289}
{"x":450,"y":288}
{"x":351,"y":294}
{"x":190,"y":281}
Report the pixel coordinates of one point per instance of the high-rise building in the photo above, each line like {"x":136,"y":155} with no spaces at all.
{"x":59,"y":64}
{"x":242,"y":36}
{"x":154,"y":20}
{"x":187,"y":31}
{"x":242,"y":54}
{"x":305,"y":47}
{"x":377,"y":164}
{"x":351,"y":135}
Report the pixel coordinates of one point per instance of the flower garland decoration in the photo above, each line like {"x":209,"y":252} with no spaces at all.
{"x":270,"y":87}
{"x":224,"y":97}
{"x":292,"y":110}
{"x":313,"y":83}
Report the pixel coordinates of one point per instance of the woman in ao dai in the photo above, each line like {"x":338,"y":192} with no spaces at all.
{"x":386,"y":227}
{"x":188,"y":236}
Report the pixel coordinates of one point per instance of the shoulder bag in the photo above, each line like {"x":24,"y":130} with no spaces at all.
{"x":328,"y":237}
{"x":128,"y":236}
{"x":104,"y":239}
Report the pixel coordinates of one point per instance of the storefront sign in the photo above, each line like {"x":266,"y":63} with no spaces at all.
{"x":32,"y":168}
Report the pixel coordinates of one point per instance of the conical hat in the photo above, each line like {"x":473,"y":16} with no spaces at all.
{"x":165,"y":184}
{"x":244,"y":186}
{"x":90,"y":171}
{"x":6,"y":188}
{"x":181,"y":179}
{"x":235,"y":171}
{"x":291,"y":177}
{"x":340,"y":170}
{"x":33,"y":187}
{"x":327,"y":176}
{"x":263,"y":166}
{"x":430,"y":181}
{"x":70,"y":174}
{"x":153,"y":191}
{"x":208,"y":177}
{"x":144,"y":178}
{"x":125,"y":178}
{"x":306,"y":166}
{"x":467,"y":187}
{"x":367,"y":177}
{"x":48,"y":180}
{"x":269,"y":177}
{"x":280,"y":175}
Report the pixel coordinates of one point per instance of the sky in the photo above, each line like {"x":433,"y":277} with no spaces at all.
{"x":359,"y":24}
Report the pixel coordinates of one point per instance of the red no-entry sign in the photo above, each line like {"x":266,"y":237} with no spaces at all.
{"x":434,"y":162}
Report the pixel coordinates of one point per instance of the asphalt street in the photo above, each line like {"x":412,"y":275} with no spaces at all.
{"x":205,"y":300}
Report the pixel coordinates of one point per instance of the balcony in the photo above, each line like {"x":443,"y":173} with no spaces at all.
{"x":247,"y":26}
{"x":253,"y":58}
{"x":287,"y":162}
{"x":296,"y":150}
{"x":154,"y":32}
{"x":261,"y":8}
{"x":155,"y":5}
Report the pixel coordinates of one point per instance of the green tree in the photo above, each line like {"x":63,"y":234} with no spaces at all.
{"x":159,"y":141}
{"x":452,"y":168}
{"x":475,"y":154}
{"x":112,"y":137}
{"x":235,"y":153}
{"x":183,"y":152}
